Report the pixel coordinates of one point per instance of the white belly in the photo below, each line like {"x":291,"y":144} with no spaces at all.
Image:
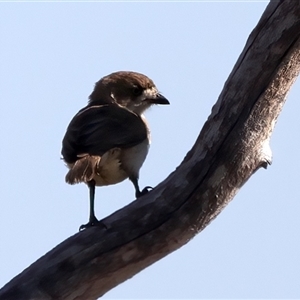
{"x":133,"y":158}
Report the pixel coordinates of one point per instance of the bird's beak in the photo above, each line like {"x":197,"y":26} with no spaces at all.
{"x":157,"y":99}
{"x":152,"y":96}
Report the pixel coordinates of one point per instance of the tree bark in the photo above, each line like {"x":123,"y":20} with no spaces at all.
{"x":232,"y":145}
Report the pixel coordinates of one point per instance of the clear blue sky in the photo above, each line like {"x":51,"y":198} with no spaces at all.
{"x":51,"y":56}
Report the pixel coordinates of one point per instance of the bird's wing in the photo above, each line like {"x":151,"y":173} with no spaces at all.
{"x":96,"y":129}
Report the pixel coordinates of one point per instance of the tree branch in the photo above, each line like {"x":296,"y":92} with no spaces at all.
{"x":232,"y":145}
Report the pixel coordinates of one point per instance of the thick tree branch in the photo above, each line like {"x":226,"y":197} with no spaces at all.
{"x":232,"y":145}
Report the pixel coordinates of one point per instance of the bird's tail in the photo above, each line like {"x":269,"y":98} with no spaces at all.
{"x":83,"y":169}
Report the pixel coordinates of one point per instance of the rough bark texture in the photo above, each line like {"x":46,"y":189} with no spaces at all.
{"x":232,"y":145}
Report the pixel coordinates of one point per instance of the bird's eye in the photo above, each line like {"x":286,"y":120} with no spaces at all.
{"x":136,"y":91}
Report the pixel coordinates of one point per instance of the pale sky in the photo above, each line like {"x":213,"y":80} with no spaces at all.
{"x":51,"y":56}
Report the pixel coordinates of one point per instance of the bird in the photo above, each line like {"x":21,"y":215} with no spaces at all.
{"x":107,"y":141}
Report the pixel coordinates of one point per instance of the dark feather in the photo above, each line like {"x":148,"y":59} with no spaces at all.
{"x":96,"y":129}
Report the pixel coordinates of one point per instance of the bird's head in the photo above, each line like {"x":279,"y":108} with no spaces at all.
{"x":132,"y":90}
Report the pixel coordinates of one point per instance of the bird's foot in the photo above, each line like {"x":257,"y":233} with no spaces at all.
{"x":144,"y":191}
{"x":92,"y":222}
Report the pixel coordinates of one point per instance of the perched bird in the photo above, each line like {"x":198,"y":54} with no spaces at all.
{"x":107,"y":141}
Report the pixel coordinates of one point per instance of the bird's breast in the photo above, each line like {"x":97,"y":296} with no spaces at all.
{"x":133,"y":158}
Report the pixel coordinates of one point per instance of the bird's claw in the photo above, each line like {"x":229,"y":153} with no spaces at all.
{"x":92,"y":223}
{"x":144,"y":191}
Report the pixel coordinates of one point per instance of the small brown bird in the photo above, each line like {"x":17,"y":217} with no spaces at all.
{"x":107,"y":141}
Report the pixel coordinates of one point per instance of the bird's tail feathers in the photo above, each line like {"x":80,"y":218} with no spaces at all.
{"x":83,"y":169}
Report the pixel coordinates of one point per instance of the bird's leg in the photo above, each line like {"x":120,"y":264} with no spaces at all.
{"x":138,"y":192}
{"x":92,"y":220}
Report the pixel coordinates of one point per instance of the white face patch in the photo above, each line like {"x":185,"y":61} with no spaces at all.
{"x":149,"y":93}
{"x":139,"y":105}
{"x":113,"y":96}
{"x":125,"y":102}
